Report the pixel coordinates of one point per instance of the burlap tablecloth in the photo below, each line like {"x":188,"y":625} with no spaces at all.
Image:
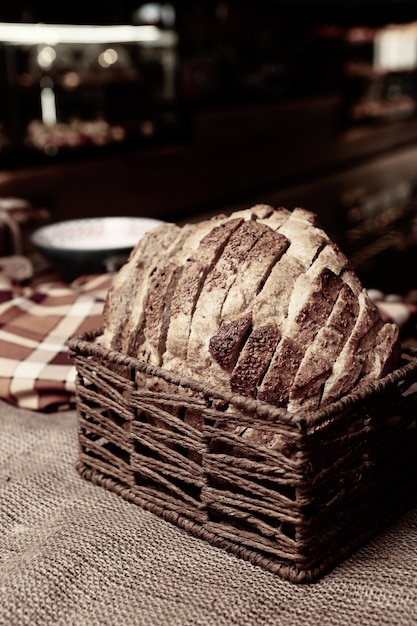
{"x":72,"y":553}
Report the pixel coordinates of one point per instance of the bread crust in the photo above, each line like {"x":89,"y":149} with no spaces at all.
{"x":146,"y":301}
{"x":349,"y":363}
{"x":149,"y":326}
{"x":188,"y":289}
{"x":317,"y":363}
{"x":207,"y":315}
{"x":133,"y":275}
{"x":315,"y":298}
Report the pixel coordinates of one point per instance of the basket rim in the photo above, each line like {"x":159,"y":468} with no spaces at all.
{"x":85,"y":342}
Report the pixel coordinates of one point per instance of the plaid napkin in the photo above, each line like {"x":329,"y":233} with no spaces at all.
{"x":35,"y":322}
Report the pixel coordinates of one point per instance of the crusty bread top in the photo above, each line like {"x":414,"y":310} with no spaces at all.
{"x":131,"y":282}
{"x":260,"y":302}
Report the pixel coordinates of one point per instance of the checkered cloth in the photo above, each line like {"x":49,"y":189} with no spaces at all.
{"x":35,"y":322}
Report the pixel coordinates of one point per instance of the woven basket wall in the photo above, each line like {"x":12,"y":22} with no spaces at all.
{"x":334,"y":478}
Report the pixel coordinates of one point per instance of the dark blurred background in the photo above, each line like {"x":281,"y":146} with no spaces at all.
{"x":217,"y":106}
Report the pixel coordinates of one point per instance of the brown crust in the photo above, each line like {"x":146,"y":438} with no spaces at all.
{"x":342,"y":319}
{"x":307,"y":382}
{"x":226,"y":344}
{"x":389,"y":349}
{"x":386,"y":353}
{"x":317,"y":306}
{"x":189,"y":287}
{"x":119,"y":301}
{"x":318,"y":360}
{"x":254,"y":359}
{"x":253,"y":273}
{"x":207,"y":315}
{"x":200,"y":263}
{"x":282,"y":372}
{"x":157,"y":315}
{"x":271,"y":303}
{"x":300,"y":213}
{"x":350,"y":362}
{"x":144,"y":299}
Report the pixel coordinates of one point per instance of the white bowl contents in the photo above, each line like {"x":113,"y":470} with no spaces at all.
{"x":104,"y":233}
{"x":85,"y":245}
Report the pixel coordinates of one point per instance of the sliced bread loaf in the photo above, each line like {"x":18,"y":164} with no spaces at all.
{"x":260,"y":302}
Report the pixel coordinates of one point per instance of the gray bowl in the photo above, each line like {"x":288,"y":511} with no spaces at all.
{"x":91,"y":245}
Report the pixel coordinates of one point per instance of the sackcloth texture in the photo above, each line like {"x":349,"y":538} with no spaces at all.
{"x":35,"y":322}
{"x":73,"y":553}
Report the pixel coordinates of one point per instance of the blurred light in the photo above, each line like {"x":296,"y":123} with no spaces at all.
{"x":52,"y":34}
{"x":48,"y":105}
{"x":360,"y":34}
{"x":117,"y":133}
{"x":71,"y":80}
{"x":149,"y":13}
{"x":147,"y":128}
{"x":108,"y":57}
{"x":396,"y":49}
{"x":155,"y":13}
{"x":46,"y":56}
{"x":51,"y":149}
{"x":168,"y":15}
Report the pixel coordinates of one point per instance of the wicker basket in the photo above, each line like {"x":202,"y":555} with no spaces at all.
{"x":336,"y":478}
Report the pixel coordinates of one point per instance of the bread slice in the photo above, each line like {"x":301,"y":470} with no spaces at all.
{"x":331,"y":257}
{"x":253,"y":273}
{"x":305,"y":243}
{"x":207,"y":315}
{"x":236,"y":313}
{"x":148,"y":337}
{"x":133,"y":335}
{"x":188,"y":288}
{"x":254,"y":359}
{"x":311,"y":303}
{"x":134,"y":274}
{"x":291,"y":282}
{"x":226,"y":344}
{"x":385,"y":354}
{"x":270,"y":306}
{"x":349,"y":364}
{"x":317,"y":363}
